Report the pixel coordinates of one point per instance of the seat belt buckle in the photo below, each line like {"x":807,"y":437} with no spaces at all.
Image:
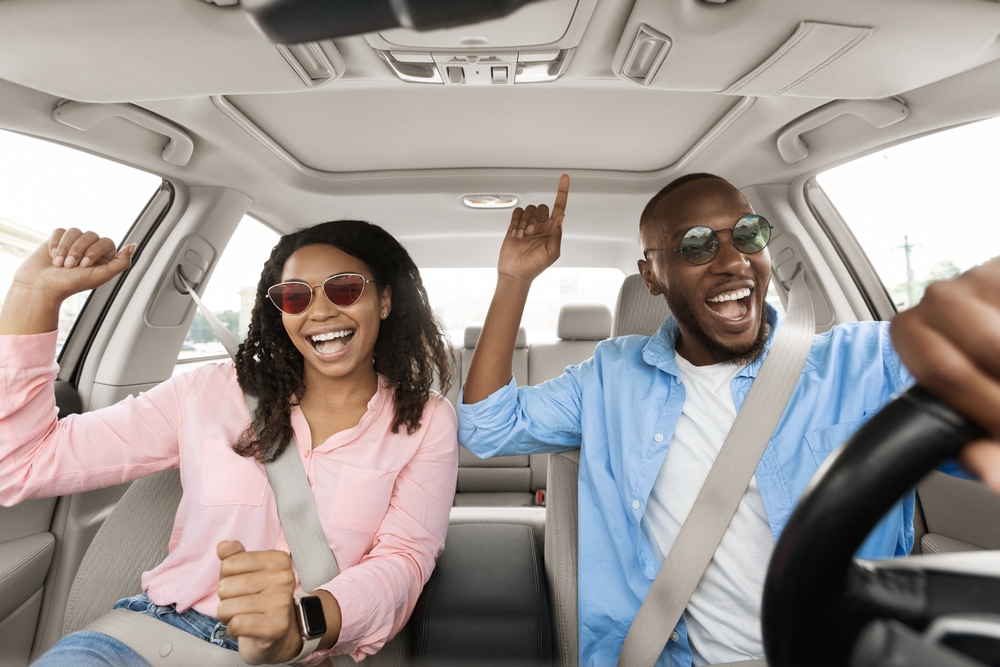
{"x":540,"y":497}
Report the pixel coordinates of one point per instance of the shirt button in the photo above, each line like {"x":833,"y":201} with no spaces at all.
{"x":307,"y":453}
{"x":635,"y":504}
{"x":658,"y":437}
{"x":674,"y":637}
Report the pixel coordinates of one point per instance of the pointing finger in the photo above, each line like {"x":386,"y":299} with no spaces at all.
{"x":559,"y":208}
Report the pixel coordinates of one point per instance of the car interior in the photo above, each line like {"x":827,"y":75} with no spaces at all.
{"x":436,"y":135}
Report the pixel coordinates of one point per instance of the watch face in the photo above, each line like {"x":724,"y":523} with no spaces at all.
{"x":313,"y":617}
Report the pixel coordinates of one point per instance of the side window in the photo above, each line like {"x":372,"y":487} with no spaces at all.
{"x":924,"y":210}
{"x":44,"y":186}
{"x":230,"y":293}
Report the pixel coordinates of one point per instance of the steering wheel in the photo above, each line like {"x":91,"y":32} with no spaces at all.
{"x":817,"y":598}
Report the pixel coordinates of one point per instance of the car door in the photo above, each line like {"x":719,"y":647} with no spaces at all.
{"x":901,"y":219}
{"x":44,"y":186}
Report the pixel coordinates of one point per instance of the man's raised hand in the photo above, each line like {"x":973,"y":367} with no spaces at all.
{"x":533,"y":238}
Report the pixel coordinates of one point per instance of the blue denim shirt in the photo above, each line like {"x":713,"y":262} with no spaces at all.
{"x":621,"y":406}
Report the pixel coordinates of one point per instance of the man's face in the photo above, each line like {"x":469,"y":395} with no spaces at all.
{"x":719,"y":306}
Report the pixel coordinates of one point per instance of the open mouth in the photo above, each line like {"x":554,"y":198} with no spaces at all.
{"x":733,"y":305}
{"x":332,"y":341}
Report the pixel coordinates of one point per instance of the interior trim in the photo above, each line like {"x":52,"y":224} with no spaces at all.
{"x":251,"y":128}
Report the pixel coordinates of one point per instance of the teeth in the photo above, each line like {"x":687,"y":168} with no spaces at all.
{"x":731,"y":296}
{"x":332,"y":335}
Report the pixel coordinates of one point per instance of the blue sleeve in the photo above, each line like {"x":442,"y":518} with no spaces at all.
{"x":525,"y":420}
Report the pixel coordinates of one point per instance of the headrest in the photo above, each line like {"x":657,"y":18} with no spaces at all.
{"x":472,"y":336}
{"x":637,"y":311}
{"x":584,"y":321}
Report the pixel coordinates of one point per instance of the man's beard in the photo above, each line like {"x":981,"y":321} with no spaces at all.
{"x":683,"y":311}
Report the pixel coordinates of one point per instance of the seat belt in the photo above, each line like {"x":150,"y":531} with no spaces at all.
{"x":162,"y":645}
{"x":725,"y":485}
{"x":314,"y":561}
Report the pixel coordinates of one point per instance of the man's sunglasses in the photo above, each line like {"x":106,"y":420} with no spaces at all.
{"x":343,"y":290}
{"x":700,"y":245}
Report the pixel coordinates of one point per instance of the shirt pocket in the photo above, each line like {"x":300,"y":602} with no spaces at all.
{"x":361,"y":498}
{"x":822,"y":442}
{"x":228,"y":478}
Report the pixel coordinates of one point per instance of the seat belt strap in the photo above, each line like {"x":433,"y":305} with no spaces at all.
{"x":311,"y":553}
{"x":725,"y":485}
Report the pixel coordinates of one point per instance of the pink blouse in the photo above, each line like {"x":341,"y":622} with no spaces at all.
{"x":383,"y":497}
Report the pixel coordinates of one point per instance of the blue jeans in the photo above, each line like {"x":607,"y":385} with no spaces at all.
{"x":93,"y":649}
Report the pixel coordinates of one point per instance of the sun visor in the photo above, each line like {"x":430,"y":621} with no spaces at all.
{"x":850,"y":49}
{"x":812,"y":48}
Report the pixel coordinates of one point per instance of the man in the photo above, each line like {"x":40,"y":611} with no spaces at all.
{"x":650,"y":414}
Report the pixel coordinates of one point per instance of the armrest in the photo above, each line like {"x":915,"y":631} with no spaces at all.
{"x":486,"y":602}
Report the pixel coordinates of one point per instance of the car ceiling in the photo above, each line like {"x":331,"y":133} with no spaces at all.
{"x":366,"y":144}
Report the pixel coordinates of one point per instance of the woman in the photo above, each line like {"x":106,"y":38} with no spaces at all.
{"x":341,"y":353}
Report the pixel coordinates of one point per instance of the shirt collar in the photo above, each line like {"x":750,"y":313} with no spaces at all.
{"x":661,"y":348}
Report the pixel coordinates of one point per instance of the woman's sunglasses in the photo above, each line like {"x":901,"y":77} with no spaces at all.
{"x":343,"y":290}
{"x":700,"y":245}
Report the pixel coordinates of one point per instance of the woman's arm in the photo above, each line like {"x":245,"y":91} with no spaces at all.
{"x":40,"y":455}
{"x":71,"y":261}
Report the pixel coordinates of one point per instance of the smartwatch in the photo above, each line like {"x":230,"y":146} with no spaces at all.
{"x":312,"y":623}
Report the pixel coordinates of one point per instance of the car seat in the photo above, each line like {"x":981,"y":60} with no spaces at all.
{"x":636,"y":312}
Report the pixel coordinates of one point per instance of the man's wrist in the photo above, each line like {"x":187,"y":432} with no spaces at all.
{"x":507,"y":284}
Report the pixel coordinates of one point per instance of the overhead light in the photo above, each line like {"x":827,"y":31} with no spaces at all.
{"x":490,"y":201}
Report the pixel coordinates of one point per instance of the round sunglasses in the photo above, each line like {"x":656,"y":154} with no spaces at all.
{"x":343,"y":290}
{"x":700,"y":245}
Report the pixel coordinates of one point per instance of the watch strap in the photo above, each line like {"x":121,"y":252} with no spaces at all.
{"x":309,"y":647}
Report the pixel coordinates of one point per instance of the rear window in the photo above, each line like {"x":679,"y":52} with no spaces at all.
{"x":924,"y":210}
{"x":461,"y":297}
{"x":44,"y":186}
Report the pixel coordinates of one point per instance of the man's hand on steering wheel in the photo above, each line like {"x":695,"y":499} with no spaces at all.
{"x":950,"y":342}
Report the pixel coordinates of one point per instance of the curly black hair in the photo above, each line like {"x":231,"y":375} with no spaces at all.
{"x":409,"y":351}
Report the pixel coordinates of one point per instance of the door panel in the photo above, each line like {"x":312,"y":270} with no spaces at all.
{"x":964,"y":511}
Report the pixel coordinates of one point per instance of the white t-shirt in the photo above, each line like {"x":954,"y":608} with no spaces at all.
{"x":723,"y":616}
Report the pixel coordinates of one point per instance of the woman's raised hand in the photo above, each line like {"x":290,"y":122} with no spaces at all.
{"x":533,"y":238}
{"x":71,"y":261}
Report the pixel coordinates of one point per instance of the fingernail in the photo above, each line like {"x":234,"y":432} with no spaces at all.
{"x":58,"y":260}
{"x":70,"y":261}
{"x":85,"y":262}
{"x":131,"y":248}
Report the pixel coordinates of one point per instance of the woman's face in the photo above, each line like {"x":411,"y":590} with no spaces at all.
{"x":336,"y":342}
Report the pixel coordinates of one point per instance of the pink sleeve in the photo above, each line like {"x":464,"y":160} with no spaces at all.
{"x":41,"y":455}
{"x":378,"y":595}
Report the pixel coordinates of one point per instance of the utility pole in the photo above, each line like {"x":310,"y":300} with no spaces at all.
{"x":910,"y":282}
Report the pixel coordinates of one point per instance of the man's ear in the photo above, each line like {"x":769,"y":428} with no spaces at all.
{"x":646,"y":271}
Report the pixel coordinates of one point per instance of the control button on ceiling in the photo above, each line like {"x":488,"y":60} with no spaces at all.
{"x":499,"y":75}
{"x":456,"y":74}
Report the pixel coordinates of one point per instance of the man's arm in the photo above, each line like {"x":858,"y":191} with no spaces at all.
{"x":950,"y":342}
{"x":530,"y":246}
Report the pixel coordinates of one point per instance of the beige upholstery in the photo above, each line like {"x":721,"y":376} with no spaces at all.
{"x":580,"y":328}
{"x":502,"y":481}
{"x":561,"y":553}
{"x":637,"y":311}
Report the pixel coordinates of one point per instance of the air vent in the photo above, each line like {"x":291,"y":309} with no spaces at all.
{"x":477,"y":69}
{"x":649,"y":48}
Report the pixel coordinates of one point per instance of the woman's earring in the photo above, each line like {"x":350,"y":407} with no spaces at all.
{"x":385,"y":315}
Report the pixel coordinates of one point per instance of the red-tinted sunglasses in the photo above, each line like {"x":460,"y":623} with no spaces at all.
{"x":343,"y":290}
